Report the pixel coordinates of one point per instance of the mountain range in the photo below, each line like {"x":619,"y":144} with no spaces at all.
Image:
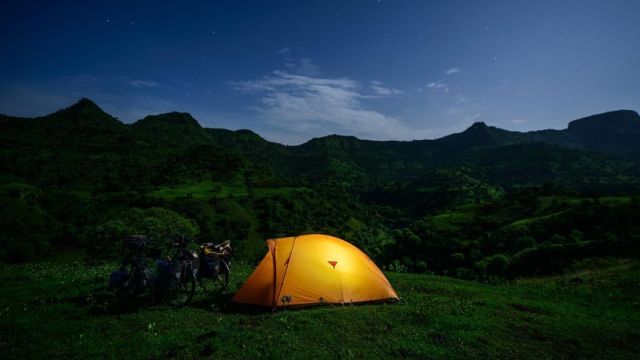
{"x":84,"y":124}
{"x":81,"y":168}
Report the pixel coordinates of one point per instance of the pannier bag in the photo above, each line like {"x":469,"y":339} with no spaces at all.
{"x":222,"y":249}
{"x":209,"y":266}
{"x":117,"y":279}
{"x":169,"y":273}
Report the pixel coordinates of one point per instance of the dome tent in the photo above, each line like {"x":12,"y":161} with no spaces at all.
{"x":314,"y":269}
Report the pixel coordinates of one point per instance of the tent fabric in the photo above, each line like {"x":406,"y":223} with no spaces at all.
{"x":314,"y":269}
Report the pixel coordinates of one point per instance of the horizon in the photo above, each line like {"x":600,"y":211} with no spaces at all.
{"x":204,"y":126}
{"x":292,"y":72}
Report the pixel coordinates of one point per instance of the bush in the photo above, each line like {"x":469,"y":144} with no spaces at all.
{"x":397,"y":266}
{"x":480,"y":267}
{"x":464,"y":273}
{"x":524,"y":243}
{"x":421,"y":266}
{"x":103,"y":241}
{"x":496,"y":264}
{"x":576,"y":236}
{"x":457,"y":259}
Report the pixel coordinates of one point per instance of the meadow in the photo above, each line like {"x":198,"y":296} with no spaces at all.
{"x":60,"y":308}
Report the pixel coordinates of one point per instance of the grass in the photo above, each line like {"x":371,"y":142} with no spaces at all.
{"x":59,"y":309}
{"x":203,"y":190}
{"x":207,"y":189}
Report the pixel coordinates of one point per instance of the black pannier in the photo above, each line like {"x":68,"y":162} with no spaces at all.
{"x":209,"y":266}
{"x":117,"y":279}
{"x":169,"y":273}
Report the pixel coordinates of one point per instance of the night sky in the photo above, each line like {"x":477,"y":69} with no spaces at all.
{"x":293,"y":70}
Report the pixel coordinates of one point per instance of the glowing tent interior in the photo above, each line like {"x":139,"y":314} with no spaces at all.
{"x":314,"y":269}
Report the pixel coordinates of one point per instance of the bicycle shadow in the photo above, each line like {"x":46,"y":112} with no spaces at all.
{"x":221,"y":303}
{"x":101,"y":302}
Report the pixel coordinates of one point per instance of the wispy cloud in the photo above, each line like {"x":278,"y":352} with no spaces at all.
{"x":141,"y":84}
{"x":284,"y":50}
{"x":518,"y":121}
{"x":313,"y":106}
{"x":378,"y":88}
{"x":452,"y":71}
{"x":438,"y":86}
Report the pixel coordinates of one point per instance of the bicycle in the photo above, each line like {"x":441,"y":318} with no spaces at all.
{"x":134,"y":277}
{"x":215,"y":267}
{"x":172,"y":280}
{"x":177,"y":276}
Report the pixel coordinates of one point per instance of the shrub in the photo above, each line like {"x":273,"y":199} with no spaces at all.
{"x":103,"y":241}
{"x":457,"y":259}
{"x":576,"y":236}
{"x":496,"y":264}
{"x":397,"y":266}
{"x":421,"y":266}
{"x":524,"y":243}
{"x":480,"y":267}
{"x":557,"y":239}
{"x":464,"y":273}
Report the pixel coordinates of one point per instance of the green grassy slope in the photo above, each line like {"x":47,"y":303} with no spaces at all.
{"x":56,"y":309}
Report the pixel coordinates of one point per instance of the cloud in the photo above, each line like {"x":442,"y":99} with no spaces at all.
{"x":379,"y":89}
{"x":438,"y":86}
{"x":303,"y":66}
{"x":313,"y":106}
{"x":518,"y":121}
{"x":452,"y":71}
{"x":284,"y":50}
{"x":141,"y":84}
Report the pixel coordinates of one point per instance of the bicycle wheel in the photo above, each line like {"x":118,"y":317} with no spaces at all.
{"x":216,"y":284}
{"x":134,"y":282}
{"x":182,"y":294}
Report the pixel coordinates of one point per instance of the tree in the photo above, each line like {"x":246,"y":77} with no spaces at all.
{"x":496,"y":264}
{"x":160,"y":224}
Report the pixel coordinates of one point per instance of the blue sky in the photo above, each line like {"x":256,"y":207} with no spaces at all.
{"x":293,"y":70}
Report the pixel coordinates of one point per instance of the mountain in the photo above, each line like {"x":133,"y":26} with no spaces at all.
{"x":347,"y":159}
{"x":66,"y":175}
{"x":171,"y":128}
{"x":616,"y":132}
{"x":83,"y":122}
{"x":83,"y":115}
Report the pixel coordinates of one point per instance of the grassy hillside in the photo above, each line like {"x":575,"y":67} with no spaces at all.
{"x":59,"y":309}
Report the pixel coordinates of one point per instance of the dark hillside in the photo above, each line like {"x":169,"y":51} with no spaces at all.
{"x":89,"y":171}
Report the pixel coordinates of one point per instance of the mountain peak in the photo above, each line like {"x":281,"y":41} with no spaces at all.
{"x":85,"y":103}
{"x":83,"y":114}
{"x":169,"y":119}
{"x":619,"y":120}
{"x":478,"y":125}
{"x":174,"y":128}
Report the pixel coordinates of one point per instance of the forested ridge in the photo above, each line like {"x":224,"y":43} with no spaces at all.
{"x":482,"y":203}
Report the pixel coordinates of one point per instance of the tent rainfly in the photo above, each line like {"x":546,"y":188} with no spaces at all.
{"x":314,"y":269}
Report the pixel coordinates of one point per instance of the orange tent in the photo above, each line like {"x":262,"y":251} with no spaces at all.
{"x":314,"y":269}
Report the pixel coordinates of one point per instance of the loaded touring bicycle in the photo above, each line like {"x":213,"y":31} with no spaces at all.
{"x":173,"y":278}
